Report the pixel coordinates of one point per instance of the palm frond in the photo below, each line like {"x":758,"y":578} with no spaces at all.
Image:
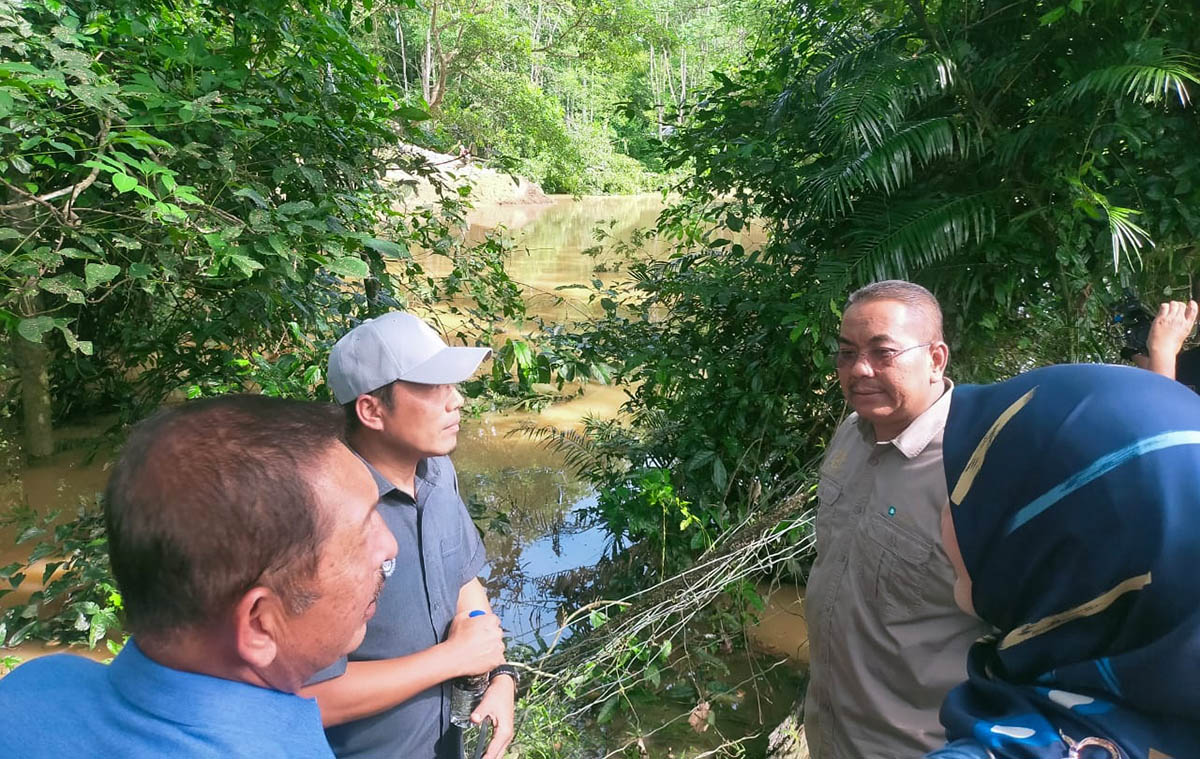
{"x":862,"y":111}
{"x":1152,"y":82}
{"x":865,"y":108}
{"x":850,"y":52}
{"x":892,"y":242}
{"x":1011,"y":145}
{"x":579,"y":452}
{"x":889,"y":166}
{"x":1128,"y":238}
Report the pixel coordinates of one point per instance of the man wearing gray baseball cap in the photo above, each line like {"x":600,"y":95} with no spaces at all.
{"x":396,"y":378}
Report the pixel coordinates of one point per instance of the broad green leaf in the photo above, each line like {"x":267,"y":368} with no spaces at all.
{"x":19,"y":68}
{"x":63,"y":147}
{"x":1052,"y":16}
{"x":83,"y":346}
{"x":411,"y":113}
{"x":33,"y":328}
{"x":185,"y":194}
{"x":608,"y":710}
{"x":523,"y":353}
{"x":251,"y":195}
{"x":61,"y":286}
{"x":349,"y":266}
{"x":31,"y":532}
{"x":21,"y":634}
{"x":653,"y":676}
{"x":98,"y":274}
{"x":386,"y":247}
{"x":291,"y":209}
{"x":246,"y":264}
{"x":123,"y":182}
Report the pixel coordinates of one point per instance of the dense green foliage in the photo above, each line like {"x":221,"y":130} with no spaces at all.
{"x":76,"y":600}
{"x":574,"y":94}
{"x":193,"y":198}
{"x":1020,"y":158}
{"x":1016,"y":157}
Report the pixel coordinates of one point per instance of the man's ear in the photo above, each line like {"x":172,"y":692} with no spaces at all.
{"x":258,"y":622}
{"x":940,"y":353}
{"x":370,"y":411}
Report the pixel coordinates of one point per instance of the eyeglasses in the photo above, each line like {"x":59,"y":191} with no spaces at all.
{"x":878,"y":358}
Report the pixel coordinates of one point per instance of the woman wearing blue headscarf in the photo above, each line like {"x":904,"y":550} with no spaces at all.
{"x":1074,"y":524}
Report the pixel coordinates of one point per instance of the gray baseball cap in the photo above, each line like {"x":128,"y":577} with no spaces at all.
{"x":396,"y":346}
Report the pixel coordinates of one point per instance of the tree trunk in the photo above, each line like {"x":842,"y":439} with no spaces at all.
{"x":656,"y":92}
{"x":683,"y":72}
{"x":403,"y":52}
{"x":33,"y":370}
{"x":427,"y":58}
{"x":535,"y":74}
{"x":33,"y":367}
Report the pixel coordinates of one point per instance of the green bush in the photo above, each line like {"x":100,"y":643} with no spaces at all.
{"x":78,"y":603}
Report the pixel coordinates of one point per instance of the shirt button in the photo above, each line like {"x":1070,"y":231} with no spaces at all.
{"x":873,"y":461}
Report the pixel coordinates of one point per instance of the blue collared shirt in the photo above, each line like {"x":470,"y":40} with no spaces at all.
{"x":136,"y":708}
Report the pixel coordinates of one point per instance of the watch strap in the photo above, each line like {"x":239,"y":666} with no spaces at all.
{"x":506,"y":669}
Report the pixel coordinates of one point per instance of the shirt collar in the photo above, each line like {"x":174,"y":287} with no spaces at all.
{"x":212,"y":703}
{"x":427,"y":472}
{"x":920,"y":432}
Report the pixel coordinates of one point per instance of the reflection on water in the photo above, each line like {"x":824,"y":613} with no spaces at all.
{"x":533,"y":510}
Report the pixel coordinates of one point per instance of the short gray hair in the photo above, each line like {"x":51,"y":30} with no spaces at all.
{"x":908,"y":293}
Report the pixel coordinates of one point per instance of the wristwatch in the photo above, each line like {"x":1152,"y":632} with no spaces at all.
{"x":506,"y":669}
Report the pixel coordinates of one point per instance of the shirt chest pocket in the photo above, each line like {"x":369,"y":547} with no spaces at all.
{"x":897,"y":567}
{"x":830,"y":516}
{"x":452,"y":562}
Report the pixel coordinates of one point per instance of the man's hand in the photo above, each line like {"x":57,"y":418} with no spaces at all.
{"x":1169,"y":329}
{"x":497,"y":704}
{"x":476,"y":643}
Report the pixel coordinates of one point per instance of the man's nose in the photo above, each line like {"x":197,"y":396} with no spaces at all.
{"x":861,"y":366}
{"x":385,"y":541}
{"x":455,"y":401}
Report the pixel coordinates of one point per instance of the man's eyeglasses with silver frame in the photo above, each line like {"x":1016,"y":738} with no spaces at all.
{"x":878,"y":358}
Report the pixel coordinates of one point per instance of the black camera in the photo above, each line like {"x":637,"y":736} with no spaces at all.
{"x":1133,"y":319}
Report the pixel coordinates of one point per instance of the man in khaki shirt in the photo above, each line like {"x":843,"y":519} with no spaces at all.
{"x":887,"y":640}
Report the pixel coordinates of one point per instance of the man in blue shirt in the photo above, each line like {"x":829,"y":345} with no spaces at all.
{"x":246,"y":542}
{"x":396,"y":379}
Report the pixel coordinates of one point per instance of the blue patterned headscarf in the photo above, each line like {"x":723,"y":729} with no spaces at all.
{"x":1075,"y":495}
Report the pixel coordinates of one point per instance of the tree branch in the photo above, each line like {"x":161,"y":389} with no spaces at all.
{"x":73,"y":190}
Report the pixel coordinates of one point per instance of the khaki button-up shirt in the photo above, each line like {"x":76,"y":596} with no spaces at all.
{"x":886,"y":638}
